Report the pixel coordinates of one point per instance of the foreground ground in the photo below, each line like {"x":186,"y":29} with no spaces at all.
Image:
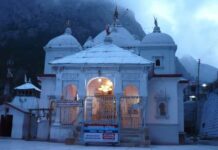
{"x":8,"y":144}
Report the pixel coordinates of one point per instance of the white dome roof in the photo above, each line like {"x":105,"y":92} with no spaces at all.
{"x":120,"y":36}
{"x":65,"y":40}
{"x":104,"y":53}
{"x":158,"y":38}
{"x":89,"y":43}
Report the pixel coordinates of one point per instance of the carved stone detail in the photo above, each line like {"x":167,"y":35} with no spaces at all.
{"x":130,"y":76}
{"x":69,"y":76}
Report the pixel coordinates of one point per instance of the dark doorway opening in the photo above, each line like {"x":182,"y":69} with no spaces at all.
{"x":6,"y":125}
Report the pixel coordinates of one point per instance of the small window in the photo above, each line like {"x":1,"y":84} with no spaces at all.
{"x":157,"y":62}
{"x":203,"y":125}
{"x":162,"y":109}
{"x":193,"y":88}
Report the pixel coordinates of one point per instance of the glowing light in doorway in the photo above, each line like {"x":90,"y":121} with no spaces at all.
{"x":105,"y":88}
{"x":99,"y":80}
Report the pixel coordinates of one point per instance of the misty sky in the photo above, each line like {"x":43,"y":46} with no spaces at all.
{"x":192,"y":23}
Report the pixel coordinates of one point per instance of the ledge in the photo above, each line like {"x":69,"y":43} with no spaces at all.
{"x":47,"y":75}
{"x":184,"y":81}
{"x":167,"y":75}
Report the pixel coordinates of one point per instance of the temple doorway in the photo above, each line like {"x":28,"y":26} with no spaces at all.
{"x":100,"y":104}
{"x":6,"y":125}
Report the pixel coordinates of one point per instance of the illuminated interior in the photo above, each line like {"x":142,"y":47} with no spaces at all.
{"x":70,"y":92}
{"x":129,"y":107}
{"x":101,"y":92}
{"x":100,"y":87}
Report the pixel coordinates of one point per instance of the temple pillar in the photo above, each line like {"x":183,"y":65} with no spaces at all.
{"x":118,"y":93}
{"x":58,"y":90}
{"x":57,"y":121}
{"x":144,"y":94}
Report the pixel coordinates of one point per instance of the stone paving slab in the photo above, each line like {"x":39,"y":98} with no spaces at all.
{"x":9,"y":144}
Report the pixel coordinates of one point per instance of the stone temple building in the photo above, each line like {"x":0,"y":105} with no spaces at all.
{"x":113,"y":89}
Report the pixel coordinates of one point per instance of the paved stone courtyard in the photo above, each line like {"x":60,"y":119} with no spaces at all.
{"x":8,"y":144}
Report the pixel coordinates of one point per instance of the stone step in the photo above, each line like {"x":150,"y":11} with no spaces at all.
{"x":131,"y":139}
{"x":70,"y":141}
{"x":132,"y":130}
{"x":132,"y":133}
{"x":134,"y":137}
{"x":136,"y":144}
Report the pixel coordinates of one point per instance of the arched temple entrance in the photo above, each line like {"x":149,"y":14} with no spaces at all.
{"x":100,"y":86}
{"x":68,"y":114}
{"x":130,"y":107}
{"x":70,"y":92}
{"x":100,"y":103}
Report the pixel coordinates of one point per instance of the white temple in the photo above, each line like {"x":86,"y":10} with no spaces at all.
{"x":114,"y":89}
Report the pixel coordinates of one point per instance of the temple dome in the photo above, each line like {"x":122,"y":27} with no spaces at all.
{"x":120,"y":36}
{"x":158,"y":38}
{"x":65,"y":40}
{"x":89,"y":43}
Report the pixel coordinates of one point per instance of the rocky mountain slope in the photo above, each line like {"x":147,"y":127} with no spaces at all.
{"x":207,"y":73}
{"x":26,"y":26}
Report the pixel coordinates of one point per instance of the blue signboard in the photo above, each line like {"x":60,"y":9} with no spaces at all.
{"x":101,"y":133}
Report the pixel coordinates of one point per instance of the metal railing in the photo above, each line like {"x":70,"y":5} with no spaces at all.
{"x":103,"y":110}
{"x":100,"y":110}
{"x":70,"y":111}
{"x":131,"y":111}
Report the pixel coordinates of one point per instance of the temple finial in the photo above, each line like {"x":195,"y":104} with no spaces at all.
{"x":29,"y":81}
{"x":155,"y":22}
{"x":25,"y":78}
{"x":116,"y":14}
{"x":156,"y":27}
{"x":68,"y":29}
{"x":68,"y":23}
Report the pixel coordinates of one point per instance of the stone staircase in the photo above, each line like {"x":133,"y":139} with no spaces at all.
{"x":128,"y":137}
{"x":134,"y":137}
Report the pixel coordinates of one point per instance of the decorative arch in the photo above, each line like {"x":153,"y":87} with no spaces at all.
{"x":70,"y":92}
{"x":130,"y":110}
{"x":69,"y":114}
{"x":100,"y":98}
{"x":131,"y":90}
{"x":162,"y":99}
{"x":100,"y":86}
